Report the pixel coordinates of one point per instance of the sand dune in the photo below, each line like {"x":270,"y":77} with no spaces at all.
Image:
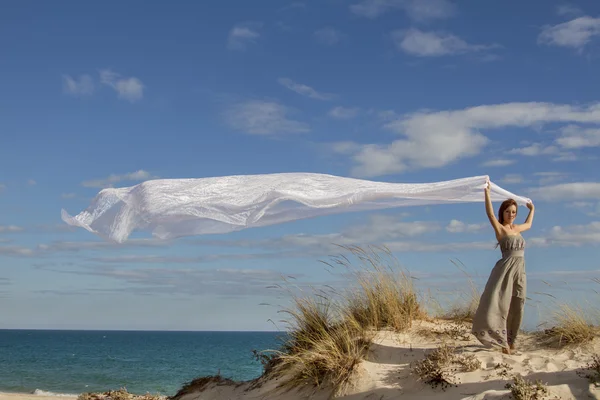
{"x":387,"y":374}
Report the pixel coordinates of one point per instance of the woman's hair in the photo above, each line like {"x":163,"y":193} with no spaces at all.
{"x":505,"y":204}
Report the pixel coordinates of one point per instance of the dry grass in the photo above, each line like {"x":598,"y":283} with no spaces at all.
{"x":121,"y":394}
{"x":571,"y":326}
{"x":463,"y":310}
{"x":323,"y":348}
{"x":329,"y":333}
{"x":439,"y":367}
{"x":385,"y":296}
{"x":523,"y":389}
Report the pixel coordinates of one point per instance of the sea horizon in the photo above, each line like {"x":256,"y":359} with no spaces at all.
{"x":71,"y":362}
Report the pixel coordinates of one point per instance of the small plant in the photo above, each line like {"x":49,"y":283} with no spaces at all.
{"x":455,"y":331}
{"x":594,"y":367}
{"x":438,"y":368}
{"x":503,"y":369}
{"x":523,"y":389}
{"x":121,"y":394}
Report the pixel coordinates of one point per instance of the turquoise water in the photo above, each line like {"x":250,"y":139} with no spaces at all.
{"x":73,"y":362}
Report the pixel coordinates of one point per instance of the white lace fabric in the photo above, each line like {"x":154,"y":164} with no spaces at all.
{"x":172,"y":208}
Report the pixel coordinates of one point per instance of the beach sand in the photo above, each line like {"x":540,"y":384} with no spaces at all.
{"x":386,"y":373}
{"x":29,"y":396}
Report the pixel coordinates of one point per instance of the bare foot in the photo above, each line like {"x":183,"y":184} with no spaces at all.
{"x":505,"y":350}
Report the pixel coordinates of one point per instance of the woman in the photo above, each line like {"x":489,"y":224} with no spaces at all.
{"x":500,"y":312}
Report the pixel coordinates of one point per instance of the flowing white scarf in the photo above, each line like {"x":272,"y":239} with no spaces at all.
{"x":171,"y":208}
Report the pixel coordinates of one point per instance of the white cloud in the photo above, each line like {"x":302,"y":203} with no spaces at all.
{"x":10,"y":228}
{"x":575,"y":33}
{"x":304,"y":90}
{"x":263,"y":118}
{"x":418,"y":10}
{"x":428,"y":247}
{"x":317,"y":245}
{"x":512,"y":179}
{"x":328,"y":36}
{"x":15,"y":251}
{"x":347,"y":147}
{"x":550,"y":177}
{"x":344,"y":112}
{"x":384,"y":227}
{"x":156,"y":259}
{"x":432,"y":44}
{"x":568,"y":9}
{"x":499,"y":162}
{"x":456,"y":226}
{"x":567,"y":191}
{"x":377,"y":230}
{"x":243,"y":35}
{"x":535,"y":149}
{"x":131,"y":89}
{"x":293,"y":5}
{"x":433,"y":139}
{"x":588,"y":207}
{"x":139,"y":175}
{"x":45,"y":249}
{"x":82,"y":86}
{"x":189,"y":281}
{"x":574,"y":137}
{"x":570,"y":236}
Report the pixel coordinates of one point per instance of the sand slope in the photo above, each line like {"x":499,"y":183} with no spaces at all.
{"x":386,"y":373}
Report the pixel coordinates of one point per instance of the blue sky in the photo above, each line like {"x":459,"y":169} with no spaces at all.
{"x":111,"y":94}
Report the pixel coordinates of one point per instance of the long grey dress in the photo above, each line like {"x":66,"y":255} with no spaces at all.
{"x":500,"y":312}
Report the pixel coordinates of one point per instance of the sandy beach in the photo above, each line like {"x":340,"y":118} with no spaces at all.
{"x":30,"y":396}
{"x":387,"y":371}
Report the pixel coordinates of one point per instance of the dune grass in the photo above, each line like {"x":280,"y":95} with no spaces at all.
{"x":384,"y":296}
{"x":457,"y":305}
{"x":571,"y":325}
{"x":329,"y":333}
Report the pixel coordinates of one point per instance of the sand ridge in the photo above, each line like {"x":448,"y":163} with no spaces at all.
{"x":386,"y":372}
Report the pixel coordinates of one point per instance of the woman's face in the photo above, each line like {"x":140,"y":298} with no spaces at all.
{"x":510,"y":214}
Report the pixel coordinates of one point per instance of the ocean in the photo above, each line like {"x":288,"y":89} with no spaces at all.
{"x":73,"y":362}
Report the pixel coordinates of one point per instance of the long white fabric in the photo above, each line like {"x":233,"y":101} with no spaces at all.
{"x":171,"y":208}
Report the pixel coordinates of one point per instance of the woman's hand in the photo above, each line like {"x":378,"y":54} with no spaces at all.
{"x":530,"y":205}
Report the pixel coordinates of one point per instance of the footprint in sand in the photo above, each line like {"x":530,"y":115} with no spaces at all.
{"x":543,"y":364}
